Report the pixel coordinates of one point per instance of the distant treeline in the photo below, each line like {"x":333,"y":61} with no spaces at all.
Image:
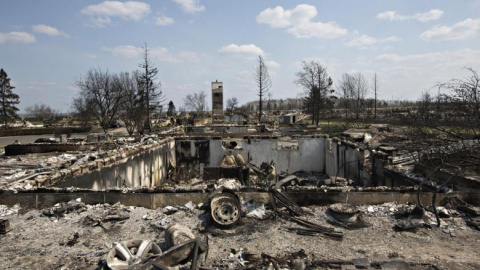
{"x":292,"y":104}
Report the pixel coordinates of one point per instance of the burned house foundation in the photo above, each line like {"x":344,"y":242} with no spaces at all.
{"x":324,"y":203}
{"x":188,"y":163}
{"x":318,"y":154}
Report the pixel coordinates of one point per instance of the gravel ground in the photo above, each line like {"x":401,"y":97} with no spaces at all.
{"x":37,"y":241}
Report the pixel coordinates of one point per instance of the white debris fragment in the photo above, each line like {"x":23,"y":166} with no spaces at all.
{"x":52,"y":160}
{"x":367,"y":138}
{"x":231,"y":184}
{"x":13,"y":175}
{"x":169,"y":210}
{"x":6,"y":211}
{"x":147,"y":217}
{"x":370,"y":209}
{"x":256,"y":210}
{"x":190,"y":205}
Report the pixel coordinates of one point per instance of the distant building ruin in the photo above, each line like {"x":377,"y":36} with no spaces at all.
{"x":217,"y":98}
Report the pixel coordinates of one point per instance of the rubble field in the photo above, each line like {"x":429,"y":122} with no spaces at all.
{"x":77,"y":236}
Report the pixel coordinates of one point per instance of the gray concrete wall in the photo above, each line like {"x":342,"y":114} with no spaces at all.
{"x":147,"y":168}
{"x":156,"y":200}
{"x":217,"y":152}
{"x":344,"y":160}
{"x":332,"y":158}
{"x":308,"y":157}
{"x":458,"y":182}
{"x":312,"y":154}
{"x":22,"y":149}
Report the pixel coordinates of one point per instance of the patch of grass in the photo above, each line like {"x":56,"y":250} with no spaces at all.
{"x":333,"y":127}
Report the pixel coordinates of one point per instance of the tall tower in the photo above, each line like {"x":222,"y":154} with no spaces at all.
{"x":217,"y":98}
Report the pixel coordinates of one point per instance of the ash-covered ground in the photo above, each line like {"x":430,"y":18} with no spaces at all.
{"x":46,"y":239}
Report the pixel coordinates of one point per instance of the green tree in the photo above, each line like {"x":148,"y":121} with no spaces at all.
{"x":8,"y":99}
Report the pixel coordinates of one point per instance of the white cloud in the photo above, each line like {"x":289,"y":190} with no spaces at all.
{"x":162,"y":54}
{"x":190,"y":6}
{"x":272,"y":64}
{"x":392,"y":15}
{"x":431,"y":15}
{"x":459,"y":31}
{"x":127,"y":51}
{"x":317,"y":30}
{"x":159,"y":54}
{"x":17,"y":37}
{"x":465,"y":55}
{"x":101,"y":14}
{"x":47,"y":30}
{"x":250,"y":53}
{"x":249,"y":49}
{"x":407,"y":75}
{"x":365,"y":41}
{"x":164,"y":20}
{"x":298,"y":22}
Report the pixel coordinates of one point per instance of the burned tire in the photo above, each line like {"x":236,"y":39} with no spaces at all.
{"x":176,"y":234}
{"x":343,"y":212}
{"x":346,"y":216}
{"x":225,"y":209}
{"x":128,"y":253}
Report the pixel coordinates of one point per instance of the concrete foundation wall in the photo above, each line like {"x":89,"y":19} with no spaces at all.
{"x":22,"y":149}
{"x":145,"y":169}
{"x":312,"y":154}
{"x":457,"y":182}
{"x":345,"y":161}
{"x":156,"y":200}
{"x":217,"y":152}
{"x":148,"y":168}
{"x":308,"y":157}
{"x":40,"y":131}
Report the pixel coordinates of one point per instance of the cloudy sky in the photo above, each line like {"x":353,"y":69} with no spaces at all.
{"x":46,"y":45}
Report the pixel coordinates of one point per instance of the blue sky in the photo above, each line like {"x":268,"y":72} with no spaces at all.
{"x":411,"y":45}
